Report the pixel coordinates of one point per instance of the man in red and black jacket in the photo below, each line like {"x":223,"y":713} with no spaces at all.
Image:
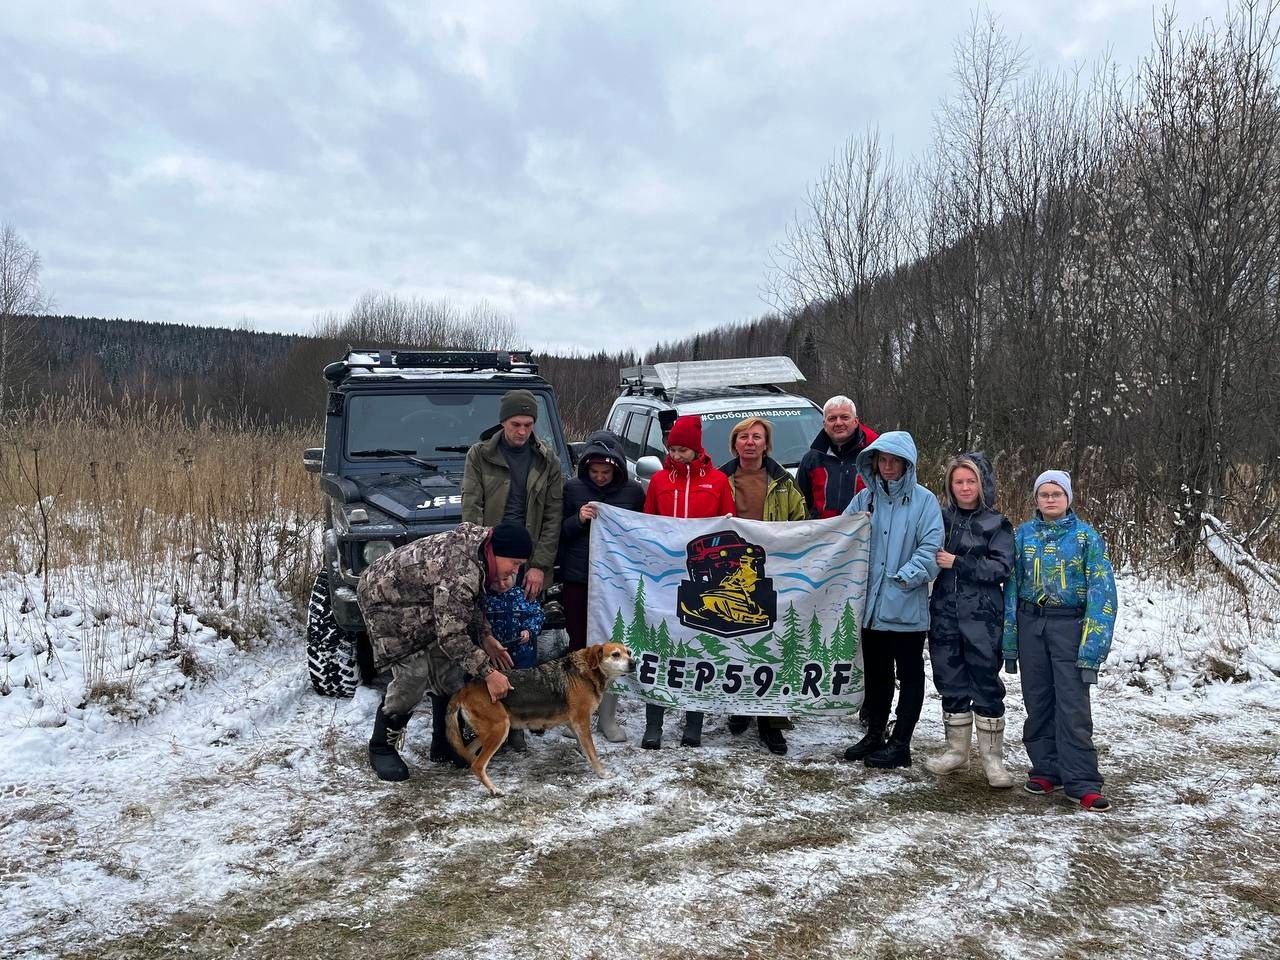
{"x":828,"y":472}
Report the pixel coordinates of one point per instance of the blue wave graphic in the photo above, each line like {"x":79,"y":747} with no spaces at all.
{"x":628,"y":565}
{"x":817,"y":584}
{"x":817,"y":546}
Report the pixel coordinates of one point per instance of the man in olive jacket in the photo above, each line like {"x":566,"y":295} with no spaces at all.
{"x":512,"y":476}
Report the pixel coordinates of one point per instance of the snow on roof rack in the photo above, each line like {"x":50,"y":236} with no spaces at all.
{"x":710,"y":374}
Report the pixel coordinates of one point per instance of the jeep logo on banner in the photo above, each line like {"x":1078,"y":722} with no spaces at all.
{"x":727,"y":592}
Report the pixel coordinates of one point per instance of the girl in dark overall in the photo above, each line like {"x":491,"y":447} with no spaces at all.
{"x":967,"y":617}
{"x":602,"y":478}
{"x":1060,"y":611}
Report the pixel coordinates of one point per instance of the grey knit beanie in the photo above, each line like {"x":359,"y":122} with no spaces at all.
{"x":1060,"y":477}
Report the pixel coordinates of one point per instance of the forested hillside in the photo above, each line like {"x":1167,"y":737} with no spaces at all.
{"x":265,"y":378}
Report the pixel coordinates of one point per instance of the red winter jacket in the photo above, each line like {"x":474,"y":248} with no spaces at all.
{"x":685,"y":490}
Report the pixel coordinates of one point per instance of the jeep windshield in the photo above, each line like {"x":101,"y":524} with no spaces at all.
{"x":435,"y":426}
{"x":793,"y":430}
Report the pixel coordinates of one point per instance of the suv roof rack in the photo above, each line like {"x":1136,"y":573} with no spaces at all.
{"x":468,"y":361}
{"x":667,"y":378}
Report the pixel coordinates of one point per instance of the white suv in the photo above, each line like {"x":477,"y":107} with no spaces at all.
{"x":721,"y":392}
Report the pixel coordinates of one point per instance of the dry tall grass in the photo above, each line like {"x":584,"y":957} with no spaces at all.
{"x":109,"y":501}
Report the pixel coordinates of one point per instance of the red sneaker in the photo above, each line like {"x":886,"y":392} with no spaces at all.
{"x":1040,"y":786}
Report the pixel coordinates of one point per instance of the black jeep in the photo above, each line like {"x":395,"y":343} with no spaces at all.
{"x":398,"y":424}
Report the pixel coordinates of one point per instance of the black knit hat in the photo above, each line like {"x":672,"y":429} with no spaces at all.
{"x":517,"y":403}
{"x":511,"y":540}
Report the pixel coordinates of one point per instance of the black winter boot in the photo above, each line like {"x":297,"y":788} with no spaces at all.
{"x":868,"y":745}
{"x":441,"y":749}
{"x":653,"y":717}
{"x":388,"y":735}
{"x":738,"y":724}
{"x":895,"y":753}
{"x":692,"y":729}
{"x":771,"y":736}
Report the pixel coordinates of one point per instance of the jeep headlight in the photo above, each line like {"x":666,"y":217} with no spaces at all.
{"x":375,"y":549}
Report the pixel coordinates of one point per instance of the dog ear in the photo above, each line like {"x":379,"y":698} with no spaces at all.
{"x":595,"y":655}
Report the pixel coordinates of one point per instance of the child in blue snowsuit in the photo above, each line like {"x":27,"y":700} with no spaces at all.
{"x":516,"y":622}
{"x":1060,"y":611}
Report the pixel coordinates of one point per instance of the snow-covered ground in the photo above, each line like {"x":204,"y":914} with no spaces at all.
{"x":206,"y":803}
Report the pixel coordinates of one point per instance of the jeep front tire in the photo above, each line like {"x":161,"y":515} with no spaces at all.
{"x":331,"y":651}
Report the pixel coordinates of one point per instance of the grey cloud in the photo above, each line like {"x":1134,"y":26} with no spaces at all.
{"x":612,"y":176}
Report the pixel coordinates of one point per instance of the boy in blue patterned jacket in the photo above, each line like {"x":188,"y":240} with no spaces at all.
{"x":516,"y":622}
{"x":1059,"y":614}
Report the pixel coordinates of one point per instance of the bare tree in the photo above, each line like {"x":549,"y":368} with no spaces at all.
{"x":1202,"y":244}
{"x":846,"y":240}
{"x":963,"y":195}
{"x":21,"y":296}
{"x":383,"y":319}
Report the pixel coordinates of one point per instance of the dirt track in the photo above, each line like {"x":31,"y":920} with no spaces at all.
{"x":276,"y":842}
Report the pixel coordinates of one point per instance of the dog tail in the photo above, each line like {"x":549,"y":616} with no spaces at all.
{"x":454,"y":732}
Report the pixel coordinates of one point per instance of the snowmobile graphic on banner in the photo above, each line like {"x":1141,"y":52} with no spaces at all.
{"x":727,"y":592}
{"x":733,"y":615}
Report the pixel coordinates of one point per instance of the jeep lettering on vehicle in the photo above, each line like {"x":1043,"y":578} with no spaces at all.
{"x":454,"y":500}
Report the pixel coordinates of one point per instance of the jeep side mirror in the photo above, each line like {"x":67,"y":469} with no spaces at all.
{"x":312,"y":458}
{"x":646,"y":467}
{"x":575,"y":451}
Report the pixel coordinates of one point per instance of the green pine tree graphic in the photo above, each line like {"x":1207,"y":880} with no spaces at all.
{"x":819,"y":652}
{"x":791,"y":639}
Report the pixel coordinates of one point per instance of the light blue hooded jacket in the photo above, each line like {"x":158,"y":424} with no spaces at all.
{"x":906,"y":535}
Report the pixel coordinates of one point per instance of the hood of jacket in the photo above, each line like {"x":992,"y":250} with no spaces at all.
{"x":986,"y":476}
{"x":900,"y":444}
{"x":598,"y":445}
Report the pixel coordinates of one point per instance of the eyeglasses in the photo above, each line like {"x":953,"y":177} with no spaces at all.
{"x":1051,"y":496}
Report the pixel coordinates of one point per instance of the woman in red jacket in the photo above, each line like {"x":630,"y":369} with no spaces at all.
{"x":688,"y":486}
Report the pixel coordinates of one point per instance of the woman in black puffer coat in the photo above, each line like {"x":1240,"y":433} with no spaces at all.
{"x":602,"y":478}
{"x":966,"y":617}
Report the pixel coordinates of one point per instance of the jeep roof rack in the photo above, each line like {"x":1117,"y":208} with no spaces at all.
{"x":667,"y":378}
{"x":466,"y":361}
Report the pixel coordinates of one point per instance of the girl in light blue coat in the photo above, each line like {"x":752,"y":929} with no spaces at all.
{"x":906,"y":534}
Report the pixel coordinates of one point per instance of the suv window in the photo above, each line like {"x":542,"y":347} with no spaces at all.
{"x":634,"y":436}
{"x":653,"y":445}
{"x":618,"y":420}
{"x":424,"y":423}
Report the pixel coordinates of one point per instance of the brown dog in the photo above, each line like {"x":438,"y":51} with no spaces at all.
{"x":552,"y":694}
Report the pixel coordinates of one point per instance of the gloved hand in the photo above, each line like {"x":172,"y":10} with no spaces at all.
{"x":1011,"y":666}
{"x":1088,"y":676}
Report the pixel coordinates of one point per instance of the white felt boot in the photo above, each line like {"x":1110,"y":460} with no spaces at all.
{"x":607,"y":719}
{"x":991,"y":749}
{"x":959,"y":727}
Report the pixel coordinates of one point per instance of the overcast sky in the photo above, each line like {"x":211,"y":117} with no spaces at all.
{"x":609,"y":174}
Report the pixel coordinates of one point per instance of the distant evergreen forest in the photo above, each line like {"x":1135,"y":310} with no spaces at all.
{"x":240,"y":375}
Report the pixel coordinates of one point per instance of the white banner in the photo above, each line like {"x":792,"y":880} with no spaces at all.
{"x":734,"y":616}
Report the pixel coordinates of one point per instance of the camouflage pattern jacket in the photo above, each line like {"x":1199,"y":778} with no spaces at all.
{"x":429,"y":595}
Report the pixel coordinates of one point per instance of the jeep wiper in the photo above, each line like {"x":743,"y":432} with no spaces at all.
{"x":453,"y":449}
{"x":385,"y":453}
